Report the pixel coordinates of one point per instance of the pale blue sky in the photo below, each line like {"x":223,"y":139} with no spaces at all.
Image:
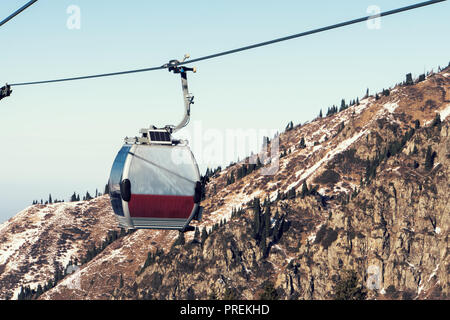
{"x":61,"y":138}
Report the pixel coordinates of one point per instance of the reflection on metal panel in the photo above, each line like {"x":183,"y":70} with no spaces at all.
{"x":115,"y":178}
{"x":163,"y":170}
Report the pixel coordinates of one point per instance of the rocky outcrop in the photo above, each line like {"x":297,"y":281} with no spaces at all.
{"x":365,"y":189}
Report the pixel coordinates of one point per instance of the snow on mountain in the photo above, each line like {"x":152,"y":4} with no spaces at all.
{"x":41,"y":238}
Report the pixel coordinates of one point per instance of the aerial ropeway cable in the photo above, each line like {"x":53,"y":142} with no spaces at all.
{"x":253,"y":46}
{"x":15,"y":13}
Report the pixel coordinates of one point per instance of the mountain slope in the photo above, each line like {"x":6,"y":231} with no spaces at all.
{"x":371,"y":195}
{"x":43,"y":238}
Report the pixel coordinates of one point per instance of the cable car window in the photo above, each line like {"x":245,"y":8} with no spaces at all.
{"x":161,"y":170}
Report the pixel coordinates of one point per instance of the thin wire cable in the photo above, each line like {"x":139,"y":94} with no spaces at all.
{"x":17,"y":12}
{"x":261,"y":44}
{"x":307,"y":33}
{"x":87,"y":77}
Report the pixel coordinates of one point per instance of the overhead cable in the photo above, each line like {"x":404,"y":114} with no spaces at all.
{"x":253,"y":46}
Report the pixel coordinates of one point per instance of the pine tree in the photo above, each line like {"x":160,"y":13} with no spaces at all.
{"x":409,"y":79}
{"x":196,"y":236}
{"x":320,"y":114}
{"x":258,"y":163}
{"x":263,"y":244}
{"x":88,"y":196}
{"x":73,"y":198}
{"x":50,"y":199}
{"x":106,"y":189}
{"x":269,"y":292}
{"x":21,"y":295}
{"x":289,"y":126}
{"x":436,"y":121}
{"x":304,"y":190}
{"x":39,"y":290}
{"x":121,"y":281}
{"x":302,"y":144}
{"x":204,"y":235}
{"x":180,"y":240}
{"x":416,"y":124}
{"x":256,"y":226}
{"x":267,"y":224}
{"x":349,"y":287}
{"x":343,"y":105}
{"x":429,"y":158}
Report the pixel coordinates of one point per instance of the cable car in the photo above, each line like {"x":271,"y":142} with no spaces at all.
{"x":155,"y":182}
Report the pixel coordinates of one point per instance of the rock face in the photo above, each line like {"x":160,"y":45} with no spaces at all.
{"x":365,"y":189}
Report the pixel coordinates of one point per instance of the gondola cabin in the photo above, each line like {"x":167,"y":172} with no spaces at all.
{"x":155,"y":183}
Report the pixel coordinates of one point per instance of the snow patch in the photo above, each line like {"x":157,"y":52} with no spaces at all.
{"x":330,"y":155}
{"x":433,"y":273}
{"x":420,"y":289}
{"x":445,"y":113}
{"x":390,"y":106}
{"x":363,"y":104}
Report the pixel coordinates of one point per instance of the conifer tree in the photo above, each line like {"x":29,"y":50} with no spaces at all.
{"x":267,"y":224}
{"x":121,"y":281}
{"x":304,"y":189}
{"x":196,"y":236}
{"x":263,"y":244}
{"x":343,"y":106}
{"x":106,"y":189}
{"x":180,"y":240}
{"x":256,"y":219}
{"x":417,"y":124}
{"x":204,"y":235}
{"x":349,"y":287}
{"x":88,"y":196}
{"x":436,"y":121}
{"x":302,"y":144}
{"x":429,"y":158}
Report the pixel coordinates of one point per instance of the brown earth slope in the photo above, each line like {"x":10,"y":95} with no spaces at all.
{"x":375,"y":203}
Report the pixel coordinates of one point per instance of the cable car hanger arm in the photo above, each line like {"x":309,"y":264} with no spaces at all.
{"x":175,"y":67}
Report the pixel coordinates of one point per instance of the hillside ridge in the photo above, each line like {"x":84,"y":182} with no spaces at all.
{"x":356,"y":190}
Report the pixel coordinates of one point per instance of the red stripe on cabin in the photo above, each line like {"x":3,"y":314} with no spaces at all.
{"x":160,"y":206}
